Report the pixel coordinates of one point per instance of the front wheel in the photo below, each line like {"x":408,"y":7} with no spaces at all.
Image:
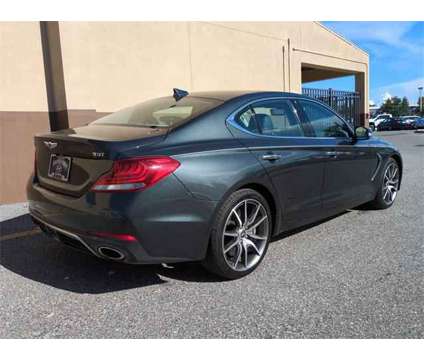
{"x":240,"y":235}
{"x":389,"y":186}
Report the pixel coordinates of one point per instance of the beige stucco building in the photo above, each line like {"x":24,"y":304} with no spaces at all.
{"x":54,"y":73}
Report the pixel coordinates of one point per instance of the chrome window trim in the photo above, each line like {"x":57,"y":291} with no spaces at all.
{"x":231,"y":119}
{"x":318,"y":146}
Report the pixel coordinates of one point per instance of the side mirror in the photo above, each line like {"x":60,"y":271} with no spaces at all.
{"x":362,"y":133}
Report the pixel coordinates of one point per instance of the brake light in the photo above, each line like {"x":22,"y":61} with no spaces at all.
{"x":136,"y":173}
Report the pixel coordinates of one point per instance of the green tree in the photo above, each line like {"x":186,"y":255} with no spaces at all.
{"x":392,"y":106}
{"x":386,"y":106}
{"x":404,"y":107}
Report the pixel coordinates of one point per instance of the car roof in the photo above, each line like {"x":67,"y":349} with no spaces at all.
{"x":229,"y":95}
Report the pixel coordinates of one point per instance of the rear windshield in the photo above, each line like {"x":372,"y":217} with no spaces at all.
{"x":160,"y":112}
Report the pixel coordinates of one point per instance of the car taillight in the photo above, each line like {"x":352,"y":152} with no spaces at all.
{"x":135,"y":174}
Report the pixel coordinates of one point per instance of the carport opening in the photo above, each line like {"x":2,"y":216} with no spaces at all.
{"x":339,"y":89}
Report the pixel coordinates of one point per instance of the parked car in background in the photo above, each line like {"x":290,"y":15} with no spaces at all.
{"x":419,"y":123}
{"x":408,"y":123}
{"x":410,"y":119}
{"x":390,"y":124}
{"x":207,"y":177}
{"x":374,"y":122}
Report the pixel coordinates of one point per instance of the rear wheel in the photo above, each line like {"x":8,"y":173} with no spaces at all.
{"x":240,"y":235}
{"x":389,"y":186}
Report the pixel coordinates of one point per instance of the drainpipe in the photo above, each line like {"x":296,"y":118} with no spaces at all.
{"x":53,"y":71}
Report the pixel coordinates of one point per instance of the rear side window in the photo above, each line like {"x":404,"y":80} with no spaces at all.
{"x":161,"y":112}
{"x":324,"y":123}
{"x":271,"y":118}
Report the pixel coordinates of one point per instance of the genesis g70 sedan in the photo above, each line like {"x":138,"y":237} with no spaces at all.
{"x":207,"y":176}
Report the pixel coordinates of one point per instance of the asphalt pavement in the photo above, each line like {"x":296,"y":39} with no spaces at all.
{"x":356,"y":275}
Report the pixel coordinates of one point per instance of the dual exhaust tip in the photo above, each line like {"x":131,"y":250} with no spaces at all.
{"x":111,"y":253}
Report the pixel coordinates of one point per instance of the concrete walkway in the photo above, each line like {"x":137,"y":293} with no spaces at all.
{"x":10,"y":211}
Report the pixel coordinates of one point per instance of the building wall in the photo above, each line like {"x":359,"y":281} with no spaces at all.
{"x":23,"y":105}
{"x":110,"y":65}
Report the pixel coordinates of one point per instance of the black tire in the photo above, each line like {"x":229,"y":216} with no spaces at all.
{"x":372,"y":127}
{"x":380,"y":202}
{"x":215,"y":261}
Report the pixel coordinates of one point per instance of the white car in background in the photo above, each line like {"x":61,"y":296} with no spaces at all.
{"x":374,"y":122}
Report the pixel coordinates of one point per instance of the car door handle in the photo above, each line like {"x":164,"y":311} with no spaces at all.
{"x":331,"y":153}
{"x":271,"y":157}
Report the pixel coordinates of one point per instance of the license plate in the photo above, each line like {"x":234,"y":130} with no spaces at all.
{"x":59,"y":167}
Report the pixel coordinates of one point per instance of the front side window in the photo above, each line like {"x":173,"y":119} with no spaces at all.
{"x":271,"y":118}
{"x":324,"y":123}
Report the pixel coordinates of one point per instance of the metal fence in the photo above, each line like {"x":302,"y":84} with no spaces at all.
{"x":345,"y":103}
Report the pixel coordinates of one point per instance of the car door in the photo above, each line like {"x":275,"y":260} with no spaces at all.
{"x":351,"y":163}
{"x":271,"y":130}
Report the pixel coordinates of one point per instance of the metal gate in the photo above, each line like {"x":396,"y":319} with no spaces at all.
{"x":345,"y":103}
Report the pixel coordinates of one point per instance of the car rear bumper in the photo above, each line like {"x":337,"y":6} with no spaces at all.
{"x":167,"y":228}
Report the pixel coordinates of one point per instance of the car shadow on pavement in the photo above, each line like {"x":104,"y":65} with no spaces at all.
{"x":45,"y":260}
{"x":40,"y":258}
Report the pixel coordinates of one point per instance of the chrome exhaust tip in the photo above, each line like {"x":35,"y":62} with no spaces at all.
{"x":110,"y":253}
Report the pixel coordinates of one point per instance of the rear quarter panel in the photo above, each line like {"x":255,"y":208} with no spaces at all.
{"x":213,"y":162}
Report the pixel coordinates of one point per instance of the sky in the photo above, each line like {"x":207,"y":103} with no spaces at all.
{"x":396,"y":51}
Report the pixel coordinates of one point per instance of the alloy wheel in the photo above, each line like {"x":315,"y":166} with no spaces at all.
{"x":245,"y":235}
{"x":390,"y":183}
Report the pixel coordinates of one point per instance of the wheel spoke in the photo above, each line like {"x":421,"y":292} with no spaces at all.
{"x":232,"y":234}
{"x":246,"y":264}
{"x":257,"y":237}
{"x":385,"y":193}
{"x":254,"y":226}
{"x":252,"y":220}
{"x":252,"y":245}
{"x":231,"y":246}
{"x":392,"y":194}
{"x":237,"y":217}
{"x":238,"y":256}
{"x":394,"y":173}
{"x":245,"y":213}
{"x":389,"y":194}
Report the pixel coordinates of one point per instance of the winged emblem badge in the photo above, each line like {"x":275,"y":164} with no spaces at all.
{"x":50,"y":144}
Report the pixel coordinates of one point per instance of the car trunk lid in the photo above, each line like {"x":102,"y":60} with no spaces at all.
{"x":88,"y":151}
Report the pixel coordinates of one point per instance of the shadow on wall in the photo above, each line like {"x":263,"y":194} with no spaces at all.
{"x":19,"y":127}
